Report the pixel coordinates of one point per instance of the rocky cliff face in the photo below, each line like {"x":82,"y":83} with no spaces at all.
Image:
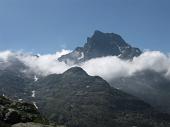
{"x":99,"y":45}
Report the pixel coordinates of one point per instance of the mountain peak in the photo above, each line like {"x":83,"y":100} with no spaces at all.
{"x":101,"y":44}
{"x":106,"y":39}
{"x":75,"y":71}
{"x":96,"y":32}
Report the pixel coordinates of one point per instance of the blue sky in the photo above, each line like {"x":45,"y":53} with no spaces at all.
{"x":46,"y":26}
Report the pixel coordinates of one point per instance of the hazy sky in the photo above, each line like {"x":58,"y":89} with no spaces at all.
{"x":46,"y":26}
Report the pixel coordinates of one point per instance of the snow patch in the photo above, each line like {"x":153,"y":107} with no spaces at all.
{"x":35,"y":78}
{"x":20,"y":99}
{"x":33,"y":93}
{"x":81,"y":57}
{"x":34,"y":103}
{"x":120,"y":49}
{"x":87,"y":86}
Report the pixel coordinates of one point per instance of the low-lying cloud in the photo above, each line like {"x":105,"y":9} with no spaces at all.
{"x":113,"y":67}
{"x":107,"y":67}
{"x":45,"y":64}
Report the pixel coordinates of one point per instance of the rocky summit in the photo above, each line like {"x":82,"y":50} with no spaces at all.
{"x":75,"y":99}
{"x":99,"y":45}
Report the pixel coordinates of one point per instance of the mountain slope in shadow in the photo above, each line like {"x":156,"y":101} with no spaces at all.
{"x":76,"y":99}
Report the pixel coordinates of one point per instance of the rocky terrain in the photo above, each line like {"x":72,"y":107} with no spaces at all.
{"x":13,"y":112}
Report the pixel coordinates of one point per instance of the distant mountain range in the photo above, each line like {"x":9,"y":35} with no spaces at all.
{"x":76,"y":99}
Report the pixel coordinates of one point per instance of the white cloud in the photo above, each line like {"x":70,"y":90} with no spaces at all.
{"x":5,"y":55}
{"x":112,"y":67}
{"x":62,"y":52}
{"x":45,"y":64}
{"x":106,"y":67}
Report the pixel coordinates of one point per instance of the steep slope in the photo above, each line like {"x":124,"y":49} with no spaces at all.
{"x":15,"y":78}
{"x":14,"y":84}
{"x":99,"y":45}
{"x":78,"y":100}
{"x":150,"y":86}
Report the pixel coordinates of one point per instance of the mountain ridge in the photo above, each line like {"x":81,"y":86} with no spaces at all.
{"x":88,"y":101}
